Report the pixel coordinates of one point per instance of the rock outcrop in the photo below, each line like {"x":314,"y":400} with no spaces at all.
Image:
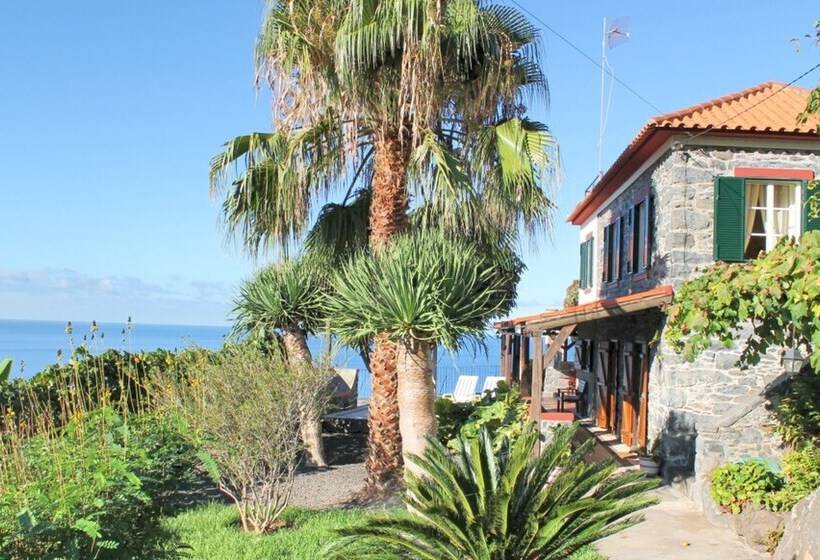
{"x":801,"y":539}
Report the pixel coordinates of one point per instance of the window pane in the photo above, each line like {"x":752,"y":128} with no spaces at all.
{"x":781,"y":222}
{"x":783,"y":195}
{"x":758,"y":218}
{"x":755,"y":194}
{"x":754,"y":245}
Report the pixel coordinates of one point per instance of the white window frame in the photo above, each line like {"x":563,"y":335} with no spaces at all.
{"x":795,"y":216}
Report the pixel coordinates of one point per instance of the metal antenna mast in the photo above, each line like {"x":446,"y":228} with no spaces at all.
{"x":612,"y":36}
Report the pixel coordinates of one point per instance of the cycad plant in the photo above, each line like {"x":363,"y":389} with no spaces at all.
{"x":421,"y":290}
{"x":379,"y":102}
{"x":479,"y":504}
{"x":286,"y":300}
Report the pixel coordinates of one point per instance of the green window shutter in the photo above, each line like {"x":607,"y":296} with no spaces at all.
{"x":809,"y":223}
{"x":582,"y":279}
{"x":730,"y":215}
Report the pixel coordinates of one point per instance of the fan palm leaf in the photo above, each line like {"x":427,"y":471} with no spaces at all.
{"x":415,"y":81}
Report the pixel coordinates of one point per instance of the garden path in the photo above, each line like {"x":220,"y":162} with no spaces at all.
{"x":675,"y":530}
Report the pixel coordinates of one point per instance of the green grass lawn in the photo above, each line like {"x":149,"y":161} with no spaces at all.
{"x":213,"y":533}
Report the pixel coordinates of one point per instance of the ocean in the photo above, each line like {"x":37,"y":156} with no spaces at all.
{"x":33,"y":345}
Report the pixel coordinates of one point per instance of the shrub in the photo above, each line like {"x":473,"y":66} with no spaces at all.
{"x":451,"y":416}
{"x":502,"y":413}
{"x":113,"y":376}
{"x":798,"y":412}
{"x":476,"y":503}
{"x":88,"y":465}
{"x":801,"y":470}
{"x":244,"y":408}
{"x":84,"y":490}
{"x":735,"y":485}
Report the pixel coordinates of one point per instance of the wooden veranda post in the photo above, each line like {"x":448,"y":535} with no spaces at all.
{"x":506,"y":358}
{"x":537,"y":378}
{"x":524,"y":374}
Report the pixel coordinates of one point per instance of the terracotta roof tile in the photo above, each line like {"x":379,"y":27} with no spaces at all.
{"x":768,"y":108}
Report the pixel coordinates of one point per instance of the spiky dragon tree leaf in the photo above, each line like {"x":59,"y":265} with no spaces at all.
{"x":283,"y":295}
{"x":423,"y":287}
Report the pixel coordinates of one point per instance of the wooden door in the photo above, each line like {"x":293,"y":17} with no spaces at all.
{"x":630,"y":407}
{"x":612,"y":388}
{"x":601,"y":376}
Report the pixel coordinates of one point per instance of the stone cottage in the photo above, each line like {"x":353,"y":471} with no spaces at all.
{"x":721,"y":180}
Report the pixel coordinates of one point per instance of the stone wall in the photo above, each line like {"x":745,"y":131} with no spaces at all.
{"x":684,"y":186}
{"x":682,"y":181}
{"x":707,"y":412}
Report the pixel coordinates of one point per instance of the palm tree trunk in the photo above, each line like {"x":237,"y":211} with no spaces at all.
{"x":417,"y":398}
{"x":388,"y":217}
{"x":298,"y":353}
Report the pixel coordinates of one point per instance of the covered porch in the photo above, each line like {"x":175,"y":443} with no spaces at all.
{"x":589,"y":362}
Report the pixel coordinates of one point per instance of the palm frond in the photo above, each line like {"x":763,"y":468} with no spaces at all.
{"x":277,"y":178}
{"x":485,"y":506}
{"x":341,"y":230}
{"x":515,"y":161}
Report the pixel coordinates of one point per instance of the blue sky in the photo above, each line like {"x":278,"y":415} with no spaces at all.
{"x":110,"y":112}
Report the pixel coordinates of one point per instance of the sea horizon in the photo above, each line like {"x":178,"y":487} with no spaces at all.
{"x":34,"y":344}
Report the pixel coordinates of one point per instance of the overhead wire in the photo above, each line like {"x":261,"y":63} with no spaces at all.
{"x":580,"y":51}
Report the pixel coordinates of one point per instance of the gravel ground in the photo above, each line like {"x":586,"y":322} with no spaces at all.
{"x":342,"y":482}
{"x":339,"y":485}
{"x":326,"y":488}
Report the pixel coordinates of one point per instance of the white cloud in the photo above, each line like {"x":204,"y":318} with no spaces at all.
{"x":69,"y":294}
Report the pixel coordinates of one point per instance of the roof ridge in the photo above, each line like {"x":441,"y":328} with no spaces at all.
{"x":729,"y":97}
{"x":756,"y":110}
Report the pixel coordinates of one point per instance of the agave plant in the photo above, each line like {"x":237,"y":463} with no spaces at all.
{"x":479,"y":504}
{"x":421,"y":290}
{"x":377,"y":103}
{"x":286,"y":299}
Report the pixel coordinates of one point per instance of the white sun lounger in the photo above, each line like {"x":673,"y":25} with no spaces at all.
{"x":465,"y":388}
{"x":491,"y":383}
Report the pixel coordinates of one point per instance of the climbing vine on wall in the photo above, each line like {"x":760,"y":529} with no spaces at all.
{"x":778,"y":294}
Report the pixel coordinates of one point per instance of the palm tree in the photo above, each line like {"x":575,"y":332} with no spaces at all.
{"x":419,"y":291}
{"x":384,"y":102}
{"x":287,"y":299}
{"x":483,"y":505}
